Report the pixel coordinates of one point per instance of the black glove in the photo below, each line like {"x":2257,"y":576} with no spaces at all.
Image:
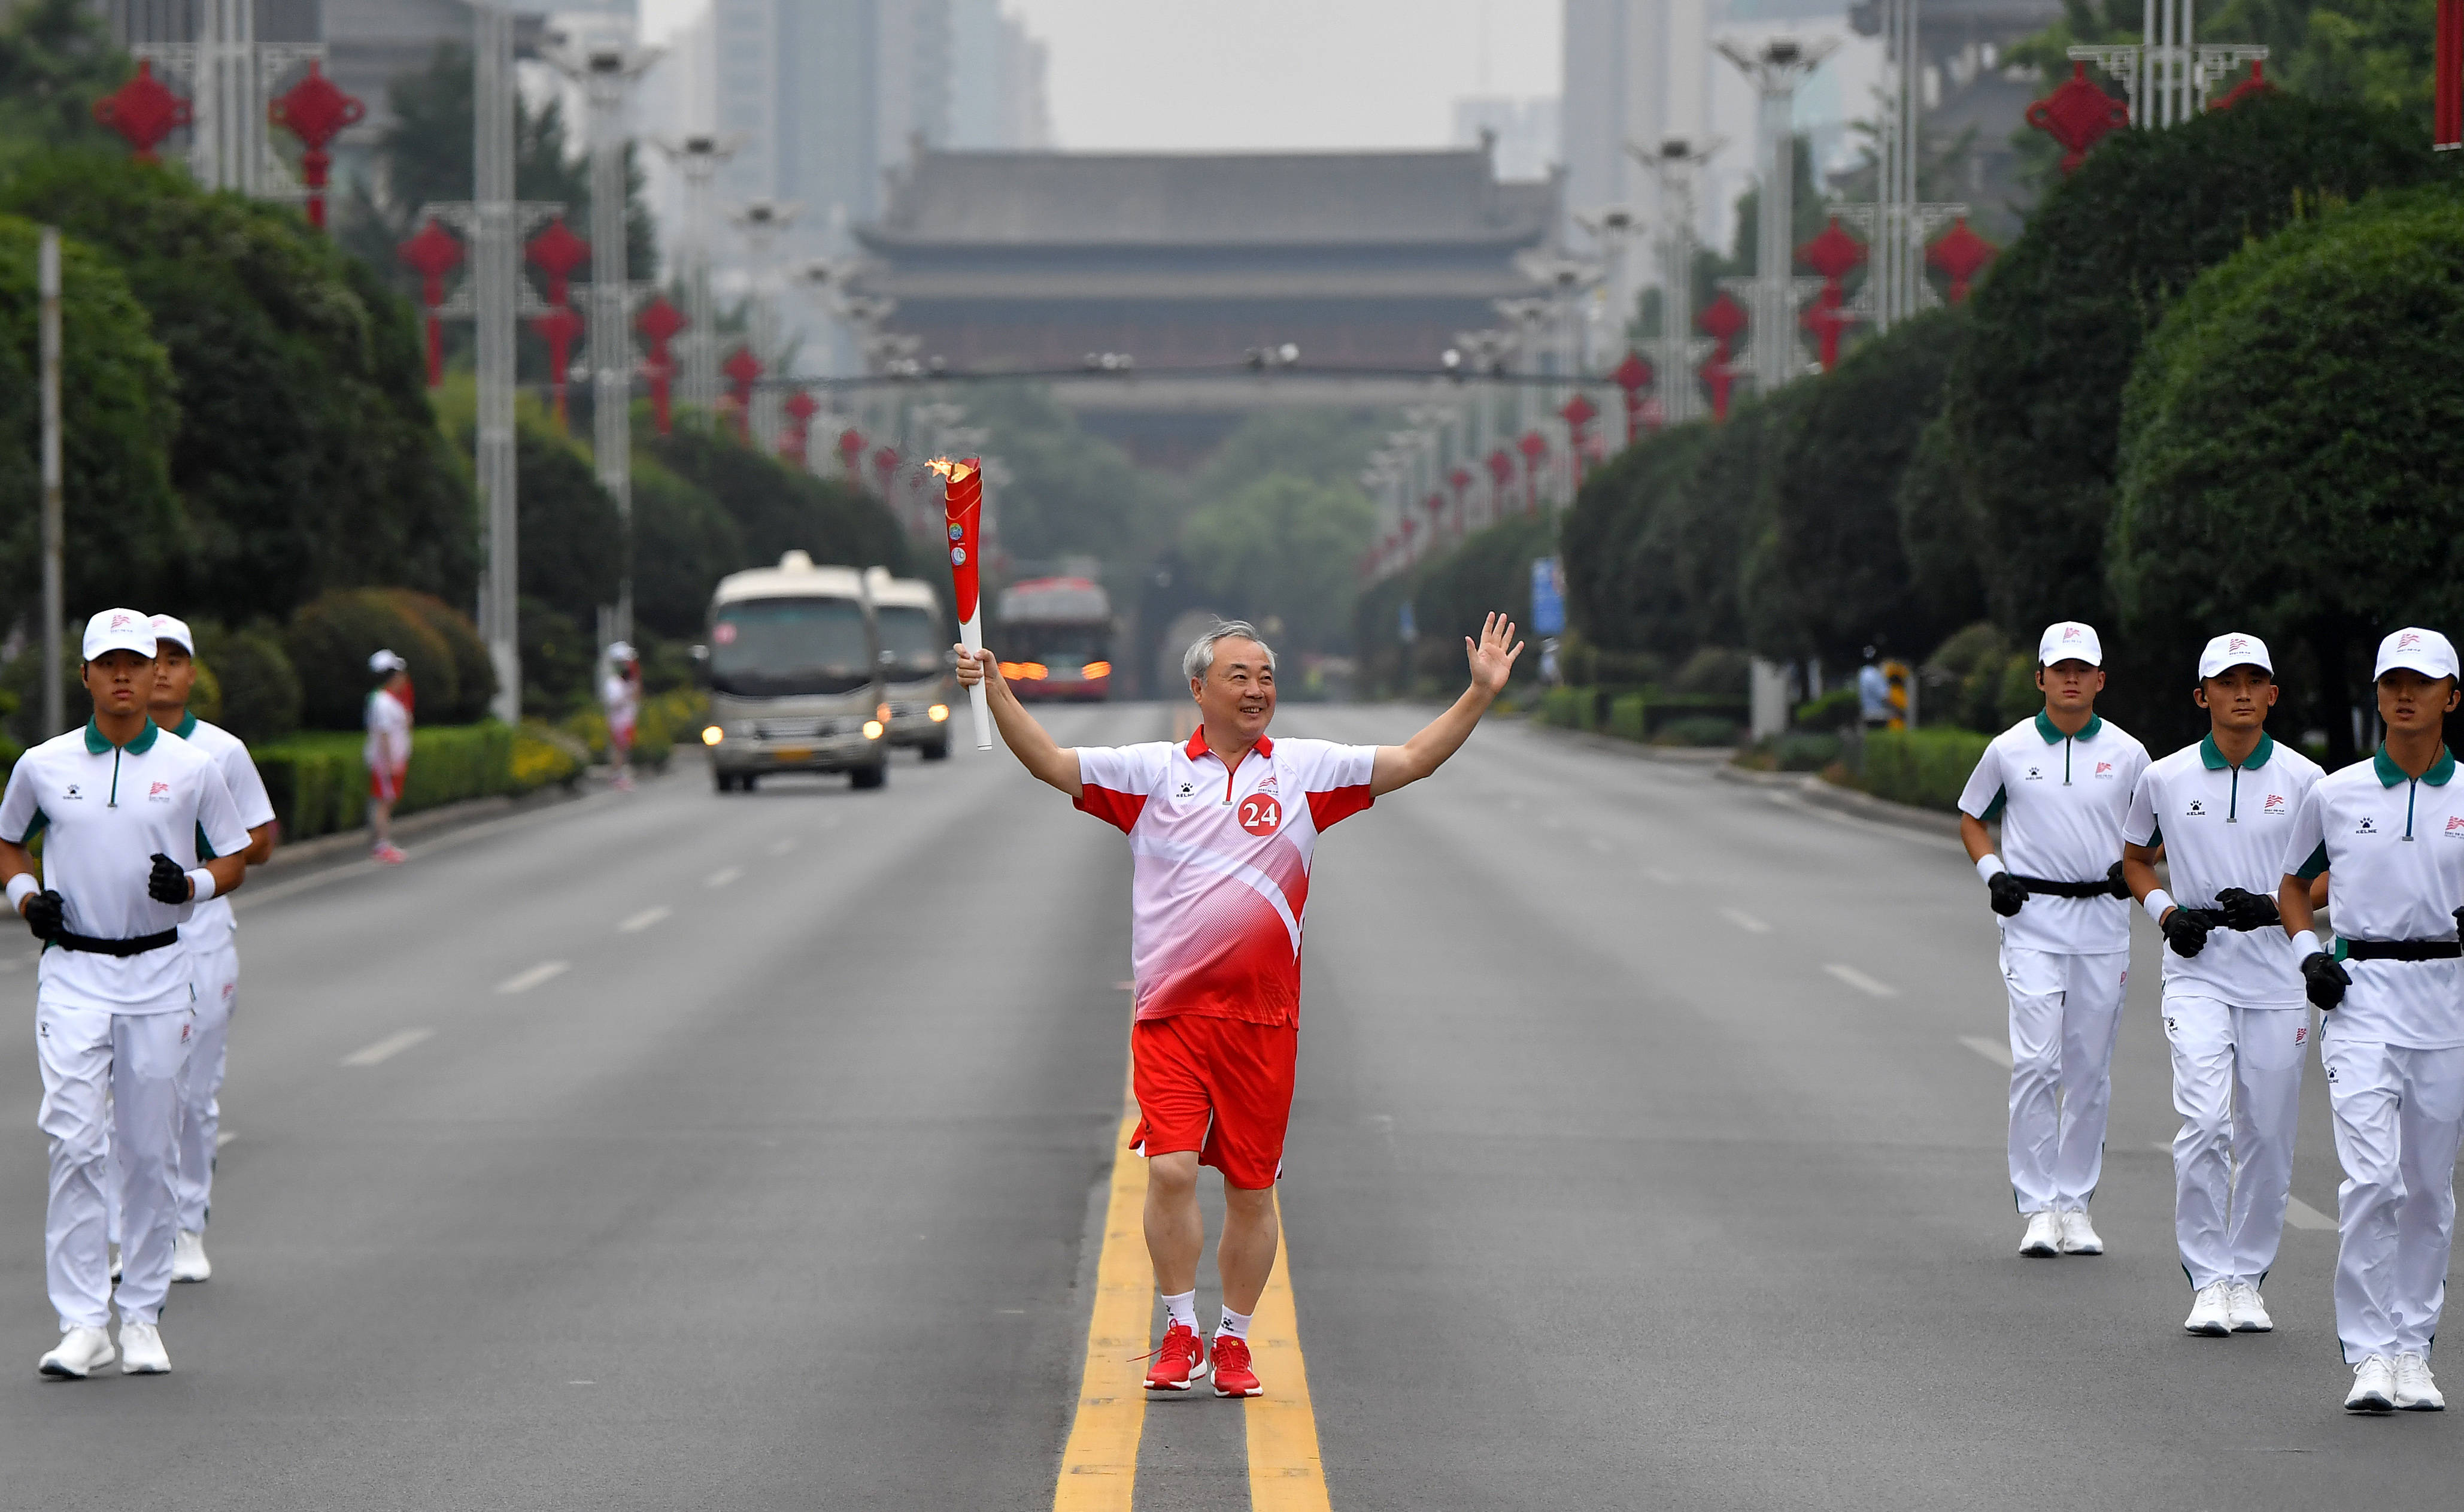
{"x":2326,"y":981}
{"x":2185,"y":934}
{"x":2008,"y":894}
{"x":2113,"y":884}
{"x":45,"y":914}
{"x":2246,"y":910}
{"x":167,"y":883}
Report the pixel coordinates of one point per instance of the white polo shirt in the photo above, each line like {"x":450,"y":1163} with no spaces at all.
{"x":1221,"y":865}
{"x":211,"y":924}
{"x":2225,"y":826}
{"x":2060,"y":799}
{"x":2395,"y":848}
{"x":108,"y":811}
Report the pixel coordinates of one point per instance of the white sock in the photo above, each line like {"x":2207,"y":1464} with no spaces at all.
{"x":1184,"y":1309}
{"x":1237,"y":1324}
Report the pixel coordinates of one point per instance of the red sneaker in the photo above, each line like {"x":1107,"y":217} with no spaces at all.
{"x":1233,"y":1376}
{"x":1180,"y":1363}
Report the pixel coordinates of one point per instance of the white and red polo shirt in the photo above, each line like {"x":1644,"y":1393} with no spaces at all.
{"x":1220,"y":866}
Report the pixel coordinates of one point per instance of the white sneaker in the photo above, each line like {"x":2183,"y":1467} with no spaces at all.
{"x":2373,"y":1387}
{"x":2210,"y":1311}
{"x":82,"y":1351}
{"x":188,"y":1262}
{"x":2415,"y":1391}
{"x":2045,"y":1237}
{"x":2248,"y":1309}
{"x":2079,"y":1235}
{"x":141,"y":1348}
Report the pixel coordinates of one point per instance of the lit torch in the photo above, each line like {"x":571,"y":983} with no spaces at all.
{"x":963,"y":487}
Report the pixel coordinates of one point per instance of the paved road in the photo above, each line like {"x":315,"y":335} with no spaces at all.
{"x":670,"y":1150}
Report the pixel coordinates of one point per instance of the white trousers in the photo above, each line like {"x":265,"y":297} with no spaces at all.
{"x":2399,"y":1112}
{"x":2065,"y":1011}
{"x":2237,"y":1085}
{"x":110,"y":1083}
{"x":201,"y":1082}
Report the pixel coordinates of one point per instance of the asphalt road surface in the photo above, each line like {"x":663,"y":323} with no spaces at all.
{"x":670,"y":1151}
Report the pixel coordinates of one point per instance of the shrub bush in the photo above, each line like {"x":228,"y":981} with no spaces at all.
{"x":1626,"y":714}
{"x":330,"y":641}
{"x":474,"y":674}
{"x":319,"y":785}
{"x":1836,"y":710}
{"x":260,"y":689}
{"x":1927,"y":768}
{"x":1567,"y":708}
{"x":1696,"y":729}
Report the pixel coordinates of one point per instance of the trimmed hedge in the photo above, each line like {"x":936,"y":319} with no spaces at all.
{"x":665,"y":717}
{"x":1927,"y":768}
{"x":319,"y":784}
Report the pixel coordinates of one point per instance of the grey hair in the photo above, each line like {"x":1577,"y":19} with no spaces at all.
{"x":1199,"y":659}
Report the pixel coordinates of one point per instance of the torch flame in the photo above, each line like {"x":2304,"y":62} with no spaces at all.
{"x":954,"y":472}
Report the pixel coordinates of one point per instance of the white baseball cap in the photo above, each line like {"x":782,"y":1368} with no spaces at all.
{"x":119,"y":630}
{"x":622,"y":650}
{"x":2070,"y":641}
{"x":175,"y":631}
{"x":2423,"y":650}
{"x":388,"y":662}
{"x":2234,"y":650}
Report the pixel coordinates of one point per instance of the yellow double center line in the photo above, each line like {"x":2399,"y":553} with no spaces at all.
{"x":1099,"y":1465}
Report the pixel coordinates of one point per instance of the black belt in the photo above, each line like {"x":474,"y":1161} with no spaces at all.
{"x":2403,"y":950}
{"x":2101,"y":887}
{"x":91,"y":946}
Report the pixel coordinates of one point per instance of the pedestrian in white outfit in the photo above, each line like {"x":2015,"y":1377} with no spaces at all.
{"x":2219,"y":812}
{"x":2391,"y":832}
{"x":2060,"y":782}
{"x":211,"y":934}
{"x":124,"y":808}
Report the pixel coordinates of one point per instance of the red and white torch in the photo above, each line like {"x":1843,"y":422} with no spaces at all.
{"x":962,"y":492}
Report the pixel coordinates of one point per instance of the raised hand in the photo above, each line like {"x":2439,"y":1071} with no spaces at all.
{"x":1492,"y":658}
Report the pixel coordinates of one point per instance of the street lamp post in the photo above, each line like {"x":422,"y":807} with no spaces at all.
{"x":699,"y":158}
{"x":1676,"y":160}
{"x":1775,"y":73}
{"x":759,"y":221}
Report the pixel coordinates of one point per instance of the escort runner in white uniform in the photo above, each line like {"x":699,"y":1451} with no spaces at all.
{"x":2060,"y":782}
{"x":2221,"y":812}
{"x":211,"y":934}
{"x":2391,"y":832}
{"x":123,"y":808}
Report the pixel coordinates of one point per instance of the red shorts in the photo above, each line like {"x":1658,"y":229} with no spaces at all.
{"x":1218,"y":1086}
{"x":385,"y":786}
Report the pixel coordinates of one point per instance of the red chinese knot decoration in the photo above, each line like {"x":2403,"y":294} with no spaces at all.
{"x":558,"y":328}
{"x":742,"y":368}
{"x":1724,"y":321}
{"x":660,"y":323}
{"x":557,"y":252}
{"x":1632,"y":377}
{"x":2077,"y":115}
{"x":144,"y":112}
{"x":802,"y":407}
{"x":432,"y":254}
{"x":315,"y":112}
{"x":1961,"y":255}
{"x":2256,"y":83}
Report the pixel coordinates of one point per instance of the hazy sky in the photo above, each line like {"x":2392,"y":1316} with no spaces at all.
{"x":1209,"y":75}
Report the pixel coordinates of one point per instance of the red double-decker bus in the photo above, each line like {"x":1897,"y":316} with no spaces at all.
{"x":1056,"y":639}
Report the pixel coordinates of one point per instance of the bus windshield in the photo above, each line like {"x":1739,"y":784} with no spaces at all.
{"x":910,"y":639}
{"x":768,"y":648}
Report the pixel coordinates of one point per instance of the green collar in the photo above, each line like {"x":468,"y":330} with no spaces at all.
{"x":2053,"y":733}
{"x":2210,"y":757}
{"x":95,"y":745}
{"x":2390,"y":774}
{"x":189,"y":724}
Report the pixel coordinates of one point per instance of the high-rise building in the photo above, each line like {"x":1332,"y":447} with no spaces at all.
{"x":997,"y":80}
{"x":1637,"y":74}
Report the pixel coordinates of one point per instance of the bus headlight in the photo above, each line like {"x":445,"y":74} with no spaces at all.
{"x":712,"y":735}
{"x":872,"y":729}
{"x":938,"y":712}
{"x":1096,"y":669}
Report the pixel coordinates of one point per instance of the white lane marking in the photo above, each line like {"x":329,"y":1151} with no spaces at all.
{"x":223,"y":1137}
{"x":525,"y":980}
{"x":1861,"y":982}
{"x":2301,"y":1215}
{"x":1745,"y":921}
{"x":646,"y":919}
{"x":782,"y":847}
{"x":387,"y":1048}
{"x":1992,"y":1050}
{"x":722,"y":876}
{"x":1660,"y":875}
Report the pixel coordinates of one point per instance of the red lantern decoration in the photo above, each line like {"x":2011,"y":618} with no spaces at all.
{"x":2077,"y":115}
{"x":1633,"y":376}
{"x":1834,"y":253}
{"x":558,"y":327}
{"x":1577,"y":413}
{"x":884,"y":467}
{"x":315,"y":112}
{"x":1961,"y":255}
{"x":432,"y":254}
{"x":1724,"y":321}
{"x":144,"y":112}
{"x":2256,"y":83}
{"x":851,"y":453}
{"x":557,"y":252}
{"x":660,"y":323}
{"x":742,"y":368}
{"x":1828,"y":321}
{"x":802,"y":407}
{"x":1501,"y":477}
{"x":1534,"y":446}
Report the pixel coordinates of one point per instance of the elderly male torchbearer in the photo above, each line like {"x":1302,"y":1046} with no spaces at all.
{"x":1221,"y":831}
